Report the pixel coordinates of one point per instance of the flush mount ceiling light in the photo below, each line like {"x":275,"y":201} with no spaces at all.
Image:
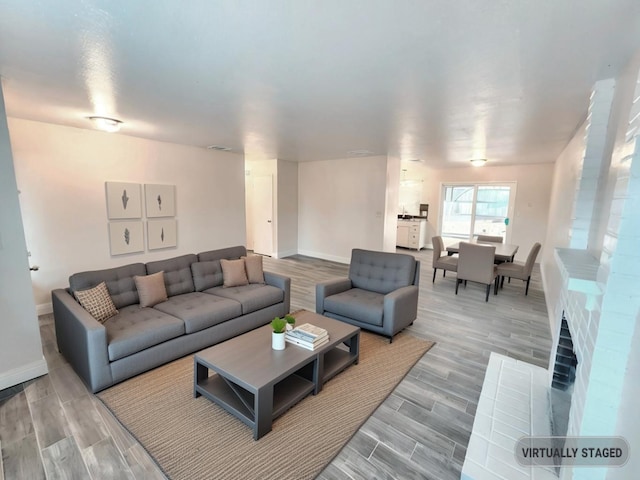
{"x":106,"y":124}
{"x":478,"y":162}
{"x":220,"y":148}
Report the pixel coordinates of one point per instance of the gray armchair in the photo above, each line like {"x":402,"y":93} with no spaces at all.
{"x":380,"y":294}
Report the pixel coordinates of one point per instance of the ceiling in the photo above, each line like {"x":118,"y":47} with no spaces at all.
{"x":436,"y":80}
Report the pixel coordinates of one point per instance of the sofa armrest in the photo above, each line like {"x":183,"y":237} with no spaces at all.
{"x":281,"y":282}
{"x":328,"y":288}
{"x":82,"y":340}
{"x":400,"y":309}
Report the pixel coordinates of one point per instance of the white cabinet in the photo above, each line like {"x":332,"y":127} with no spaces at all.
{"x":412,"y":234}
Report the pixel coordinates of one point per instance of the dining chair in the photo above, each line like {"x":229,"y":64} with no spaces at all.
{"x":518,"y":269}
{"x":476,"y":264}
{"x":444,"y":262}
{"x":490,"y":238}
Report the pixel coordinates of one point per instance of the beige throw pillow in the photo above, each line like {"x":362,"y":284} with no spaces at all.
{"x":253,"y":266}
{"x":233,"y":273}
{"x":97,"y":302}
{"x":151,"y":289}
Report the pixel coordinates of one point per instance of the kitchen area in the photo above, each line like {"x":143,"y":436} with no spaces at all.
{"x":413,"y":230}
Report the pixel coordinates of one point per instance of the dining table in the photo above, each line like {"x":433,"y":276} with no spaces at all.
{"x":505,"y":252}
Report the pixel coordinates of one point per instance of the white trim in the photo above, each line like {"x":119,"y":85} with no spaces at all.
{"x":44,"y":308}
{"x":23,"y":374}
{"x":324,"y":256}
{"x":286,"y":253}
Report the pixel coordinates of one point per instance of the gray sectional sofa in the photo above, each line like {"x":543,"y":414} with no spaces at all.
{"x":199,"y":312}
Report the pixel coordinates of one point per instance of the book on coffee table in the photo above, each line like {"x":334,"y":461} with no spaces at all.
{"x":304,"y":344}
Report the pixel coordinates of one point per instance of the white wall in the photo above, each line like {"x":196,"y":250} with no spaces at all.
{"x":341,"y":206}
{"x":21,"y":356}
{"x":62,"y":171}
{"x":531,"y":204}
{"x":392,"y":205}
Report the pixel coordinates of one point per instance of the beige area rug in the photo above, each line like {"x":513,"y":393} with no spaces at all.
{"x":195,"y":439}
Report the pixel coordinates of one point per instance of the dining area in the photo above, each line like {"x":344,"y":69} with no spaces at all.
{"x":485,"y":259}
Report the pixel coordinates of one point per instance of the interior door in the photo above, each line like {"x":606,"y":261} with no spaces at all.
{"x":262,"y":208}
{"x":468,"y":210}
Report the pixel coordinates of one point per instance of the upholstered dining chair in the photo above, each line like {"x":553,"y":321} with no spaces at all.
{"x":490,"y":238}
{"x":476,"y":264}
{"x":444,"y":262}
{"x":520,"y":270}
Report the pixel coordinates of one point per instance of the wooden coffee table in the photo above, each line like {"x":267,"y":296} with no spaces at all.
{"x":257,"y":384}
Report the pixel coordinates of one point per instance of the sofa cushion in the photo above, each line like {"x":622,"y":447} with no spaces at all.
{"x":97,"y":302}
{"x":206,"y":275}
{"x":135,"y":329}
{"x":119,"y":282}
{"x":362,"y":305}
{"x":381,"y":272}
{"x":177,"y":273}
{"x":151,"y":289}
{"x":253,"y":267}
{"x":198,"y":310}
{"x":229,"y":253}
{"x":252,"y":297}
{"x":233,"y":273}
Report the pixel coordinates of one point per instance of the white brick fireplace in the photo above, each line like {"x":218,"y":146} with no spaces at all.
{"x":598,"y":291}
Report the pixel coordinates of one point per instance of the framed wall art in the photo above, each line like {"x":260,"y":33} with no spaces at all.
{"x":126,"y":237}
{"x":160,"y":200}
{"x":124,"y":200}
{"x":162,"y":234}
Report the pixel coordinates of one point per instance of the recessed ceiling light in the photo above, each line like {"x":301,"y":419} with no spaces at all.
{"x":359,"y":153}
{"x":478,"y":162}
{"x":415,"y":160}
{"x":106,"y":124}
{"x":220,"y":148}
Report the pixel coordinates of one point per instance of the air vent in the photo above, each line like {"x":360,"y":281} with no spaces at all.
{"x":220,"y":148}
{"x":359,"y":153}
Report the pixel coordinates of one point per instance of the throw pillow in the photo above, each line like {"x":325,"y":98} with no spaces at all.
{"x":151,"y":289}
{"x":253,"y":266}
{"x":97,"y":302}
{"x":233,"y":273}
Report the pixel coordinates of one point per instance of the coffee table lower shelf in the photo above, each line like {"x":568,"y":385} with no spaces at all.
{"x":240,"y":402}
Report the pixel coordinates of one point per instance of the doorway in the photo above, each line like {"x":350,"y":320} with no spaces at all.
{"x":468,"y":210}
{"x":262,"y":214}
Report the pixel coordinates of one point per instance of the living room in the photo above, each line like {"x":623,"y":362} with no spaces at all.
{"x":60,"y":173}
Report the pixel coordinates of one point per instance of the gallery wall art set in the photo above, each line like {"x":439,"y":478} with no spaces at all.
{"x":125,"y":212}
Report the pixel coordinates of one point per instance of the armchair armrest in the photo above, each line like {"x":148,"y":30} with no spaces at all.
{"x":281,"y":282}
{"x":328,"y":288}
{"x":82,"y":340}
{"x":400,"y":309}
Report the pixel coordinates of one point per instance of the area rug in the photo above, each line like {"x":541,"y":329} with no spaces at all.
{"x":195,"y":439}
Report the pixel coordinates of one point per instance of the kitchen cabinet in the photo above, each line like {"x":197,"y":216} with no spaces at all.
{"x":412,"y":233}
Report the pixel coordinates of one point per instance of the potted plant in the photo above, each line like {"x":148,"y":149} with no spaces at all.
{"x":291,"y":322}
{"x":277,"y":337}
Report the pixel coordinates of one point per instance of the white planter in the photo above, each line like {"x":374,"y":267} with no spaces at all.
{"x":277,"y":341}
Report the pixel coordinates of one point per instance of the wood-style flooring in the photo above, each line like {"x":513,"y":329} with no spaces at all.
{"x":55,"y":429}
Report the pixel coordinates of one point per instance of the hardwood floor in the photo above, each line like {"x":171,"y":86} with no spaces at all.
{"x":55,"y":429}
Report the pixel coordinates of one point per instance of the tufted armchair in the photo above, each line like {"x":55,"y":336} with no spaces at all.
{"x":380,"y":294}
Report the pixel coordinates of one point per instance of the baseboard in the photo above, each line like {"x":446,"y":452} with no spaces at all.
{"x":23,"y":373}
{"x":44,"y":309}
{"x":285,"y":253}
{"x":324,"y":256}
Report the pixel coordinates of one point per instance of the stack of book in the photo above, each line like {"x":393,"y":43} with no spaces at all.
{"x":307,"y":336}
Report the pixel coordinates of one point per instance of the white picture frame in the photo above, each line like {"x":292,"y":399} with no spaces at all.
{"x":160,"y":200}
{"x":126,"y":237}
{"x":124,"y":200}
{"x":162,"y":234}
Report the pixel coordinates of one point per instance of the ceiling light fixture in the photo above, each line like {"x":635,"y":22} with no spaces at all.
{"x":106,"y":124}
{"x":359,"y":153}
{"x":478,"y":162}
{"x":220,"y":148}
